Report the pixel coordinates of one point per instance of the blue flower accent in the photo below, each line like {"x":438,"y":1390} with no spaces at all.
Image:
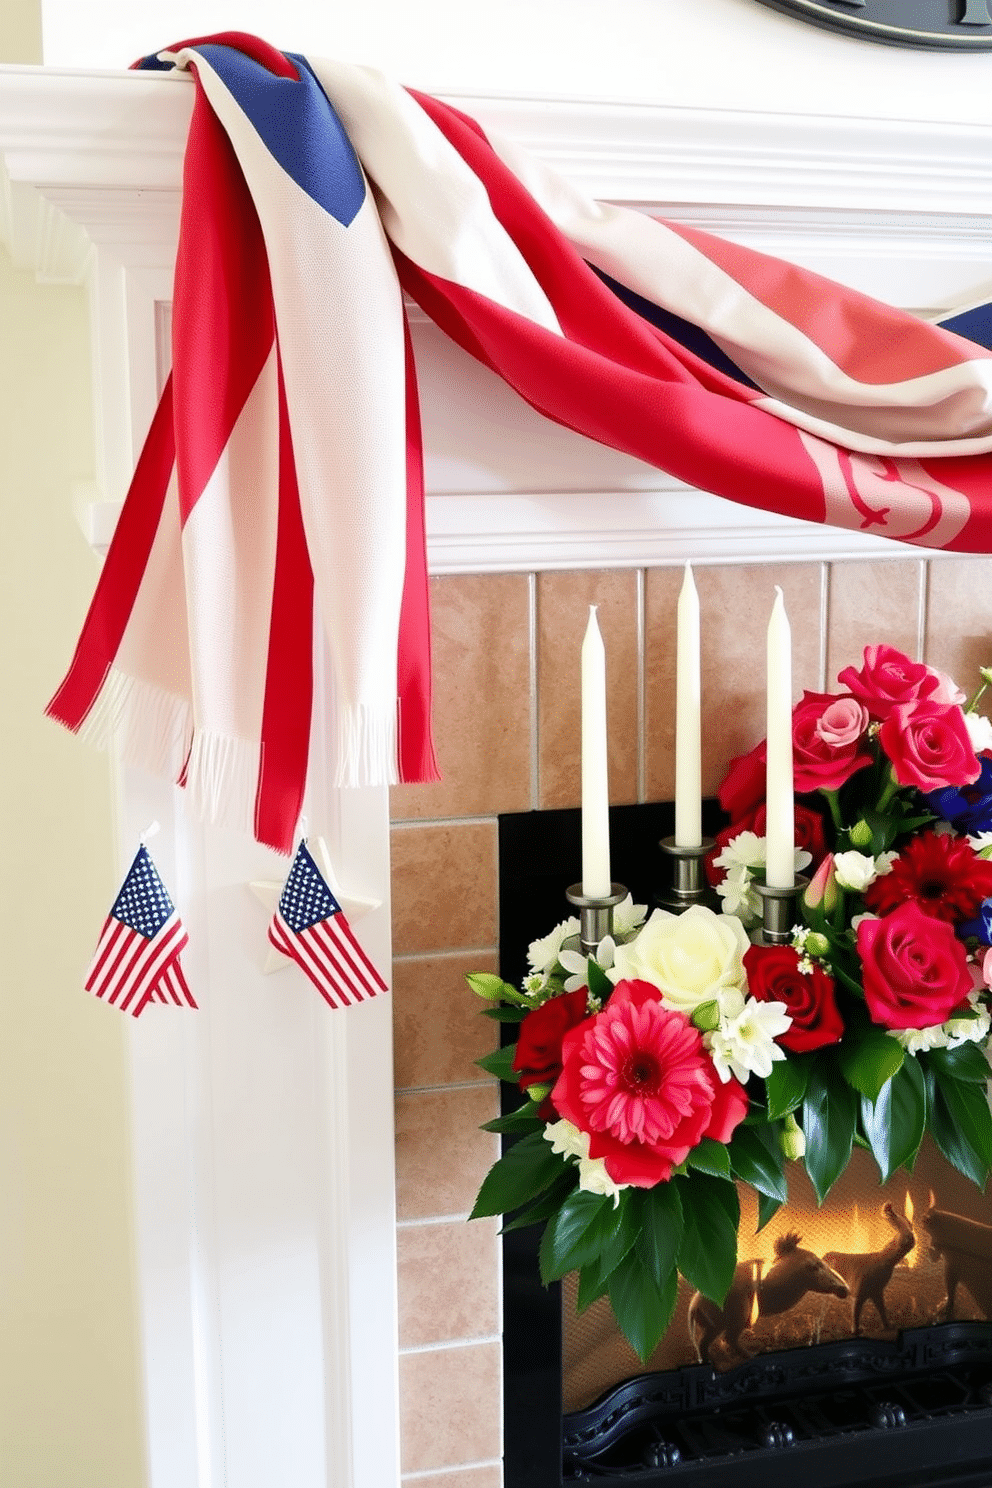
{"x":981,"y":927}
{"x":968,"y":808}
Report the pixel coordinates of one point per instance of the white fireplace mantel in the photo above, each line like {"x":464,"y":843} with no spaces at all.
{"x":262,"y":1127}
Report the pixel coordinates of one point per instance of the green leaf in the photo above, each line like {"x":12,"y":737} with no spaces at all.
{"x":504,"y":1014}
{"x":524,"y":1119}
{"x":706,"y":1016}
{"x":661,"y":1231}
{"x":500,"y":1063}
{"x":968,"y":1104}
{"x":767,"y":1209}
{"x":642,"y":1308}
{"x":575,"y":1235}
{"x":785,"y":1087}
{"x":847,"y":980}
{"x":950,"y":1135}
{"x":548,"y":1203}
{"x":869,"y":1060}
{"x":756,"y":1158}
{"x":829,"y":1116}
{"x":523,"y":1172}
{"x":592,"y":1286}
{"x":894,"y":1123}
{"x":966,"y":1062}
{"x":710,"y":1157}
{"x":598,"y":982}
{"x":708,"y":1252}
{"x":623,"y":1233}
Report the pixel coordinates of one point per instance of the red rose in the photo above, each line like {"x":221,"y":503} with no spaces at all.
{"x":773,"y":975}
{"x":888,"y":679}
{"x":914,"y":969}
{"x":929,"y":746}
{"x":743,"y":787}
{"x":827,"y":735}
{"x":638,"y":1080}
{"x":538,"y":1054}
{"x":809,"y":834}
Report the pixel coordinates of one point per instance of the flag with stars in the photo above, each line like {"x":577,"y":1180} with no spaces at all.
{"x":137,"y":959}
{"x":311,"y":928}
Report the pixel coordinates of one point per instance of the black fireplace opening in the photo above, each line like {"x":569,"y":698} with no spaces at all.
{"x":894,"y":1412}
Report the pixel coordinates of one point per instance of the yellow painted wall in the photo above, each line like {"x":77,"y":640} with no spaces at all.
{"x":70,"y":1409}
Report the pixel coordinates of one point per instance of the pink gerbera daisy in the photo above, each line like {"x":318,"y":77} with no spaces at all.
{"x":638,"y":1080}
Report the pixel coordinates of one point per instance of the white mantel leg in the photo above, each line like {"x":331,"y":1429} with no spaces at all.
{"x":263,"y":1149}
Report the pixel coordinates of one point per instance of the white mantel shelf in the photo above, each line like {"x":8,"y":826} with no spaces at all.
{"x":91,"y":188}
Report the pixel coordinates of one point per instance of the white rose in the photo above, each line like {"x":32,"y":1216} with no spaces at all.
{"x":979,"y":731}
{"x":691,"y":958}
{"x":854,"y":870}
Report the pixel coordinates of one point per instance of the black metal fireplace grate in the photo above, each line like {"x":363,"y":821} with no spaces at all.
{"x":918,"y":1411}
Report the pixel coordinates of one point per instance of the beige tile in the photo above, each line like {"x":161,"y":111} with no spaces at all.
{"x":481,"y":660}
{"x":489,"y":1475}
{"x":444,"y":887}
{"x":438,"y":1025}
{"x":448,"y":1281}
{"x":450,"y":1406}
{"x":735,"y":603}
{"x":959,"y":618}
{"x":441,"y":1155}
{"x":563,"y":601}
{"x":871,"y":604}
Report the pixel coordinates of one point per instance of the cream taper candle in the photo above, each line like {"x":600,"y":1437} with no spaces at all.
{"x":595,"y":775}
{"x":688,"y":775}
{"x":780,"y":870}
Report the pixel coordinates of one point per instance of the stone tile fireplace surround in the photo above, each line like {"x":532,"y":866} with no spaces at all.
{"x":528,"y":525}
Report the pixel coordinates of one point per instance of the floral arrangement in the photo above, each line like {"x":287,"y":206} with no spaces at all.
{"x":686,"y":1056}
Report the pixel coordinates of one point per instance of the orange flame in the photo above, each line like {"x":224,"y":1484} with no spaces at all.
{"x":757,"y":1267}
{"x":915,"y":1256}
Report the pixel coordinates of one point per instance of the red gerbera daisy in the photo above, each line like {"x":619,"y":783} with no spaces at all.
{"x":940,"y":873}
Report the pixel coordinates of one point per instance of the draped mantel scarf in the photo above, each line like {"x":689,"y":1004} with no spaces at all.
{"x":283,"y":467}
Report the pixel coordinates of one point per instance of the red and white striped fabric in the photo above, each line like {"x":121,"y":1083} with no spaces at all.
{"x":137,"y":957}
{"x":285,"y":456}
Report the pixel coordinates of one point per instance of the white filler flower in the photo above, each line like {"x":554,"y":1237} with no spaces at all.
{"x":745,"y":1044}
{"x":856,"y":870}
{"x":568,"y":1141}
{"x":542,"y":954}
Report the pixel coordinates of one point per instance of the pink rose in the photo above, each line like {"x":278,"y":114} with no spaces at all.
{"x":889,"y":678}
{"x":929,"y":746}
{"x":914,"y":968}
{"x":638,"y":1080}
{"x":827,"y":731}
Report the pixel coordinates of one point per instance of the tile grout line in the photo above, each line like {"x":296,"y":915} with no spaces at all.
{"x":406,"y":1350}
{"x":923,"y":603}
{"x":533,"y":692}
{"x":824,"y":622}
{"x":437,"y":1472}
{"x":642,"y":747}
{"x":430,"y":1219}
{"x":406,"y":823}
{"x":486,"y":1082}
{"x":451,"y":952}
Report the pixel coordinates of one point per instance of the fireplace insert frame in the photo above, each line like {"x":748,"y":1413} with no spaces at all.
{"x":915,"y":1413}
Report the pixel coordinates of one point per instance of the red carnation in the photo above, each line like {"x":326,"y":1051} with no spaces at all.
{"x":773,"y":975}
{"x":939,"y":873}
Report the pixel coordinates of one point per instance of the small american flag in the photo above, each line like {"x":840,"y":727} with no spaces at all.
{"x":310,"y":926}
{"x":137,"y":959}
